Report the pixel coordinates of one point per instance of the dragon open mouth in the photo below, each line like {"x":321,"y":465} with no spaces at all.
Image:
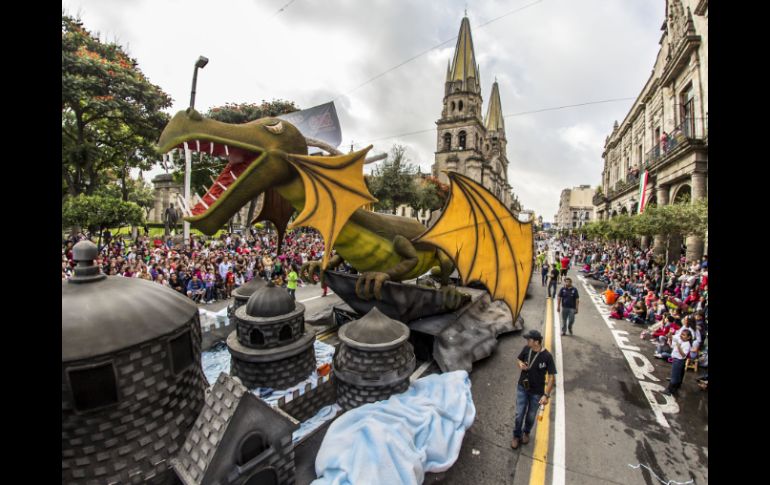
{"x":239,"y":161}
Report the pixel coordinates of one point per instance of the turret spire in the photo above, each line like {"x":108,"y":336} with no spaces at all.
{"x":464,"y":61}
{"x":494,"y":119}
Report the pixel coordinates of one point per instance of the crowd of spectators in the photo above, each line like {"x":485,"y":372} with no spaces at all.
{"x":669,"y":302}
{"x":207,"y":269}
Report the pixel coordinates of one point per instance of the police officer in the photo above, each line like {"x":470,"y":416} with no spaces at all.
{"x":567,"y":304}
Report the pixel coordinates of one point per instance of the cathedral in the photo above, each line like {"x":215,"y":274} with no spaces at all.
{"x":466,"y":143}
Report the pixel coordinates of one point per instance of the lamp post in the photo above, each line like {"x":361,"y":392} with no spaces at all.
{"x":199,"y":64}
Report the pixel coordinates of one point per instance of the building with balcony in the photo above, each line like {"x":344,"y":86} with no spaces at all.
{"x":576,"y":208}
{"x":665,"y":134}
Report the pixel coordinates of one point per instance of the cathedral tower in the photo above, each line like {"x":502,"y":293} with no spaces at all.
{"x":461,"y":128}
{"x":494,"y":149}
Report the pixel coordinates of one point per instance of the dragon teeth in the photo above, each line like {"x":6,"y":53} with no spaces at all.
{"x":201,"y":201}
{"x":211,"y":148}
{"x":227,"y":150}
{"x":197,"y":145}
{"x":233,"y":175}
{"x":223,"y":187}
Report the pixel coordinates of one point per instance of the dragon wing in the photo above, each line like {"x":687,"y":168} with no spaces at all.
{"x":485,"y":241}
{"x":334,"y":189}
{"x":276,"y":210}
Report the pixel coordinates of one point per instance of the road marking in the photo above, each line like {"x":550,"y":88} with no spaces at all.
{"x":416,"y":374}
{"x":314,"y":297}
{"x":640,"y":365}
{"x":542,"y":431}
{"x":559,"y":428}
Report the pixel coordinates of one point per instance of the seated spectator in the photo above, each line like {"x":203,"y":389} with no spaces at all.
{"x":196,"y":289}
{"x":617,"y":310}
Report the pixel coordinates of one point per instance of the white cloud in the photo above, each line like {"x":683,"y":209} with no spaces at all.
{"x":555,"y":53}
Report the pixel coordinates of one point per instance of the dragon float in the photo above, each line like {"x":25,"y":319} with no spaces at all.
{"x":476,"y":233}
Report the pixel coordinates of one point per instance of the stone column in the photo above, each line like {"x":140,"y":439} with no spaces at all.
{"x":695,"y":244}
{"x":659,"y":245}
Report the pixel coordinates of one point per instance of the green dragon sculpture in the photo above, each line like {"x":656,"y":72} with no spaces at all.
{"x":269,"y":156}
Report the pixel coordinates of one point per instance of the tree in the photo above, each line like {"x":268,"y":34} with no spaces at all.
{"x":393,"y":182}
{"x":132,"y":190}
{"x":431,"y":194}
{"x":111,"y":113}
{"x":97,"y":212}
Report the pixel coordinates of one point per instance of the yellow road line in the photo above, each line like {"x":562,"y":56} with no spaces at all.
{"x":326,"y":334}
{"x":542,"y":429}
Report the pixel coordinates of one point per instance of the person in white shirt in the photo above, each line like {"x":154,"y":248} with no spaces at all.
{"x":680,"y":350}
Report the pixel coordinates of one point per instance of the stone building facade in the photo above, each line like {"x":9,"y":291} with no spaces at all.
{"x":665,"y":134}
{"x":576,"y":208}
{"x":466,"y":142}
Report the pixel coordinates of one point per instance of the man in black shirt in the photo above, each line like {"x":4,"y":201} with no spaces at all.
{"x":532,"y":390}
{"x":553,"y":280}
{"x":567,"y":304}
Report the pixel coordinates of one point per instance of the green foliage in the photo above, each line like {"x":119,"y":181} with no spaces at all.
{"x":432,"y":194}
{"x":205,"y":167}
{"x":393,"y":182}
{"x":111,"y":114}
{"x":677,"y":220}
{"x":138,"y":191}
{"x":96,"y":211}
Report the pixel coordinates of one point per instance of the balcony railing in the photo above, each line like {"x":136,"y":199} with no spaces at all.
{"x":688,"y":130}
{"x":598,"y":199}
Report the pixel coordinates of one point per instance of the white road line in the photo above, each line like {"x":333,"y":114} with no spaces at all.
{"x":559,"y":438}
{"x":416,"y":374}
{"x":314,"y":297}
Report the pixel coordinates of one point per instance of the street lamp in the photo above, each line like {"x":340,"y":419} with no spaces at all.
{"x":200,"y":63}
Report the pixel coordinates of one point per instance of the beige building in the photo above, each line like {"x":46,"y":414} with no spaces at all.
{"x":666,"y":131}
{"x":576,"y":208}
{"x":466,"y":143}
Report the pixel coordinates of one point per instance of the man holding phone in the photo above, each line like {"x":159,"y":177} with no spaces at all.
{"x":533,"y":390}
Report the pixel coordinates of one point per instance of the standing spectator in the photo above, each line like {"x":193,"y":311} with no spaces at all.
{"x":553,"y":280}
{"x":568,"y":303}
{"x":267,"y":264}
{"x":291,"y":284}
{"x":680,"y":351}
{"x":544,"y":272}
{"x":564,"y":266}
{"x":532,"y":390}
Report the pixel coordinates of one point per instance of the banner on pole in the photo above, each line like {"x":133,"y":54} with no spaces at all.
{"x":642,"y":190}
{"x":319,"y":122}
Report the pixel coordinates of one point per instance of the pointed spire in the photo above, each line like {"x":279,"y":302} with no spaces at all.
{"x":494,"y":119}
{"x":464,"y":61}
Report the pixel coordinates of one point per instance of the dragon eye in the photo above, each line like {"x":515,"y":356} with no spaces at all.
{"x":275,"y":129}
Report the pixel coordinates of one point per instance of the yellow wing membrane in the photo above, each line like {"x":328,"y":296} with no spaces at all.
{"x":334,"y":189}
{"x":485,"y":241}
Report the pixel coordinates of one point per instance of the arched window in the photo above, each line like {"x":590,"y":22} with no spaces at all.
{"x":256,"y":337}
{"x":447,"y":141}
{"x":460,"y":106}
{"x":462,"y":140}
{"x":252,"y":446}
{"x":285,"y":333}
{"x":453,"y":105}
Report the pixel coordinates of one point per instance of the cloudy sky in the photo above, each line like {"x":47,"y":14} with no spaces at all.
{"x":544,"y":54}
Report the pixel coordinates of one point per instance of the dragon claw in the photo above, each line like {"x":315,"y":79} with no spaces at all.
{"x":370,"y":283}
{"x":309,"y":269}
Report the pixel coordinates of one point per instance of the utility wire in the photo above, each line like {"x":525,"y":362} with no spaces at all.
{"x":510,"y":115}
{"x":432,"y":48}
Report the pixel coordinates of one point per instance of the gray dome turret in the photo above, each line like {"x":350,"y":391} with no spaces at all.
{"x":269,"y":301}
{"x":131,"y":365}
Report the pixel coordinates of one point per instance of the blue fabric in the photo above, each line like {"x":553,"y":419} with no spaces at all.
{"x":397,"y":441}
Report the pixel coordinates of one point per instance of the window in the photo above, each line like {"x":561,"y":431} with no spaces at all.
{"x":462,"y":140}
{"x":94,"y":386}
{"x":266,"y":476}
{"x":252,"y":445}
{"x":256,"y":337}
{"x":453,"y":105}
{"x":460,"y":106}
{"x":687,"y":112}
{"x":181,"y":352}
{"x":447,"y":141}
{"x":285,"y":333}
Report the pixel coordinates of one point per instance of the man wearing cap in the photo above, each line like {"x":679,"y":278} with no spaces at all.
{"x":532,"y":390}
{"x":567,"y":304}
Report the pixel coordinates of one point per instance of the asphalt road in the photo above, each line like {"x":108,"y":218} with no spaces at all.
{"x":610,"y":432}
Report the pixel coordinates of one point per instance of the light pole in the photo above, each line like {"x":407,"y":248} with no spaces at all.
{"x":199,"y":64}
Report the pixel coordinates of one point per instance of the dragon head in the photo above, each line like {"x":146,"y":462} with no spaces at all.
{"x":256,"y":154}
